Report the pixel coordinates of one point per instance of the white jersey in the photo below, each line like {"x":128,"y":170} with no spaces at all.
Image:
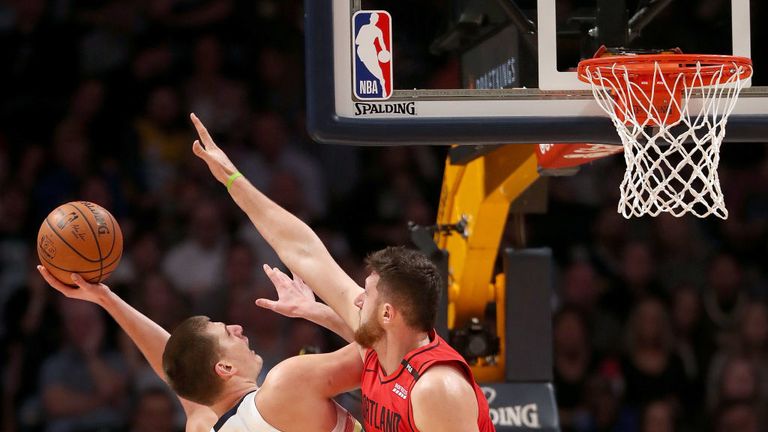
{"x":245,"y":417}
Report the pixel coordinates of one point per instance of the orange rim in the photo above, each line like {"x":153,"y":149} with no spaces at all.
{"x":645,"y":65}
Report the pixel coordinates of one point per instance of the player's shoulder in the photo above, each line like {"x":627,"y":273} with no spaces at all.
{"x":442,"y":380}
{"x":443,"y":399}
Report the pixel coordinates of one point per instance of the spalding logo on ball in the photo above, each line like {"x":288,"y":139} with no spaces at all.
{"x":80,"y":237}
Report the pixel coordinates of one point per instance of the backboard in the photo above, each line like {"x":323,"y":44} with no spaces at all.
{"x":503,"y":71}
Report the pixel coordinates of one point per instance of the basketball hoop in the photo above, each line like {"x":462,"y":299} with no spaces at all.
{"x":670,"y":110}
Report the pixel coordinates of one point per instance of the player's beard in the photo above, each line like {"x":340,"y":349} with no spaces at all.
{"x":369,"y":333}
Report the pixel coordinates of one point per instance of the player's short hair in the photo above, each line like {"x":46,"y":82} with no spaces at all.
{"x":410,"y":281}
{"x":189,"y":360}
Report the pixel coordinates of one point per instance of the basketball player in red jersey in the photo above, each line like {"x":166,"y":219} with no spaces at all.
{"x":412,"y":379}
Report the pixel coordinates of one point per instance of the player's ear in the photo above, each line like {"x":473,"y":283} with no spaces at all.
{"x":387,"y":312}
{"x":224,"y":369}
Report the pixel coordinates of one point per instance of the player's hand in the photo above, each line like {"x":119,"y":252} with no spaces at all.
{"x":294,"y":297}
{"x":218,"y":162}
{"x":93,"y":293}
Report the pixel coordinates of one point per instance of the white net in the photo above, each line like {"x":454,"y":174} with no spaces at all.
{"x":672,"y":126}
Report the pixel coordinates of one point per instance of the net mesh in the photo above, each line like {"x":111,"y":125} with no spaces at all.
{"x":671,"y":125}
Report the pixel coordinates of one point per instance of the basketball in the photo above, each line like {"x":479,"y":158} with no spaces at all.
{"x":385,"y":56}
{"x":80,"y":237}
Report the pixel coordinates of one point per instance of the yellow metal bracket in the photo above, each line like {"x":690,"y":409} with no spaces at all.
{"x":481,"y":192}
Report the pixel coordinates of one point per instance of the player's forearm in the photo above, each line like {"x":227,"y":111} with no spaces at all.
{"x":324,"y":316}
{"x":149,"y":337}
{"x":288,"y":235}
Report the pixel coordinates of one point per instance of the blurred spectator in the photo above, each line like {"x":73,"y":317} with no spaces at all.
{"x":70,"y":166}
{"x":31,"y":334}
{"x":29,"y":167}
{"x":14,"y":247}
{"x":393,"y":189}
{"x":280,"y":82}
{"x":749,"y":342}
{"x":33,"y":47}
{"x":160,"y":300}
{"x":107,"y":46}
{"x":694,"y":342}
{"x":724,"y":296}
{"x":241,"y":268}
{"x":241,"y":274}
{"x":740,"y":416}
{"x":637,"y":279}
{"x":573,"y":364}
{"x":652,"y":369}
{"x":141,"y":257}
{"x":154,"y":411}
{"x":304,"y":337}
{"x":682,"y":251}
{"x":195,"y":265}
{"x":735,"y":378}
{"x":163,"y":139}
{"x":659,"y":416}
{"x":603,"y":399}
{"x":190,"y":14}
{"x":609,"y":237}
{"x":218,"y":100}
{"x":581,"y":288}
{"x":85,"y":106}
{"x":83,"y":384}
{"x":276,"y":152}
{"x":285,"y":186}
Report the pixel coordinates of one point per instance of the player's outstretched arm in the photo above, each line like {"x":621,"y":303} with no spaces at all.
{"x":149,"y":337}
{"x":295,"y":242}
{"x":296,"y":300}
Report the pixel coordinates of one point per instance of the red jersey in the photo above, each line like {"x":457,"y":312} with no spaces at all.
{"x":387,"y":399}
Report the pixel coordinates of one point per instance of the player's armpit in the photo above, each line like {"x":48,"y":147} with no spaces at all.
{"x":444,"y":401}
{"x":199,"y":418}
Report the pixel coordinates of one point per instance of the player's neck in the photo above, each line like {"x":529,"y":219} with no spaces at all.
{"x":395,"y":345}
{"x":231,"y":396}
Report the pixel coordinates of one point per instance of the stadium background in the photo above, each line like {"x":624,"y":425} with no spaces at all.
{"x":660,"y":324}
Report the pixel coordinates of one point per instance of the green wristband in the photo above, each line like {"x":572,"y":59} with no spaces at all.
{"x":231,"y":179}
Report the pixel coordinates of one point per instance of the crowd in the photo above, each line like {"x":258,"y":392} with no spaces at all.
{"x":659,"y":324}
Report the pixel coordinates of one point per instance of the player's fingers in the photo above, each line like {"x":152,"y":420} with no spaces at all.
{"x":202,"y":131}
{"x":266,"y":303}
{"x":283,"y":277}
{"x":52,"y":281}
{"x":198,"y":149}
{"x":298,"y":279}
{"x":76,"y":278}
{"x":274,"y":275}
{"x":269,"y":270}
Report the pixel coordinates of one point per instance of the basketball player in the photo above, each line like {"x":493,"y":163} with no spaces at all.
{"x":412,"y":379}
{"x":213,"y":371}
{"x":366,"y":49}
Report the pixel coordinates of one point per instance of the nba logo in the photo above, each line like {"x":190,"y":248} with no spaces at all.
{"x":372,"y":53}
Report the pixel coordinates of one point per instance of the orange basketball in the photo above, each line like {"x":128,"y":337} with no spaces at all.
{"x":80,"y":237}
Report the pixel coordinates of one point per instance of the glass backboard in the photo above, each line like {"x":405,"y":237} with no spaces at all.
{"x":503,"y":71}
